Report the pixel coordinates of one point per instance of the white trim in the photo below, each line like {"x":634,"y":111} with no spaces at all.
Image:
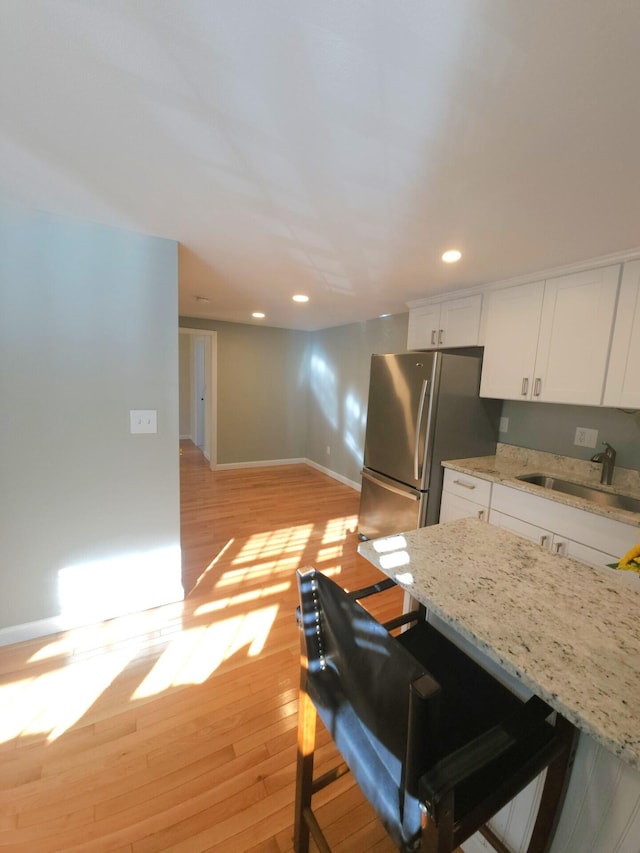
{"x":538,"y":275}
{"x":334,"y":475}
{"x":264,"y":463}
{"x":260,"y":463}
{"x":57,"y":624}
{"x":211,"y":419}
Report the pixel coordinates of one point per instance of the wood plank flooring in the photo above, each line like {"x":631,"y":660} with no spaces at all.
{"x":174,"y":729}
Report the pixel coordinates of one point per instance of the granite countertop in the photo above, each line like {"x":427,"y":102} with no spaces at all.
{"x":568,"y":632}
{"x":511,"y":462}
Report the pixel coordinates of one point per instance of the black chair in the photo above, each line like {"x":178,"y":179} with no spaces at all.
{"x":435,"y":743}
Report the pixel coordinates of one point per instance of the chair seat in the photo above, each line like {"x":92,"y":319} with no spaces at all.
{"x":472,"y":700}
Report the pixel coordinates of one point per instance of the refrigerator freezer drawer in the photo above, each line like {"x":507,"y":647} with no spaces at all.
{"x":388,"y":507}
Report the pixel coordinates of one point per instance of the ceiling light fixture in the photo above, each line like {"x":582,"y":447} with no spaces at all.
{"x":451,"y":256}
{"x":202,"y":299}
{"x":300,"y":297}
{"x":258,"y":315}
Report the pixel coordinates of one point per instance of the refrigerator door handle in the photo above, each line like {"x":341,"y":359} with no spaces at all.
{"x":384,"y":482}
{"x":416,"y":450}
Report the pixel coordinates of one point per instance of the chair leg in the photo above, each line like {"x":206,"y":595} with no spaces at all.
{"x":437,"y":836}
{"x":304,"y":769}
{"x":555,"y":787}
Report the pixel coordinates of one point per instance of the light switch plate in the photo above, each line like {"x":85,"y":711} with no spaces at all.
{"x":504,"y":425}
{"x":143,"y":420}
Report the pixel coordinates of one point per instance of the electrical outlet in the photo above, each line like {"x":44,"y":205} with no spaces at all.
{"x":586,"y":437}
{"x":328,"y":450}
{"x":504,"y":425}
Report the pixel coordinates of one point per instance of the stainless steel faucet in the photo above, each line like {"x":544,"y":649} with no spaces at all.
{"x":608,"y":459}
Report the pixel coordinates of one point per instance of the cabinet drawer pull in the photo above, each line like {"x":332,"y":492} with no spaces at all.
{"x":441,"y":336}
{"x":537,"y":385}
{"x":544,"y":540}
{"x":464,"y":485}
{"x":525,"y":386}
{"x":481,"y":514}
{"x":433,"y":337}
{"x":558,"y":546}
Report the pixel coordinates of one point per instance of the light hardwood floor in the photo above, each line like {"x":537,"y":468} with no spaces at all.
{"x":174,"y":729}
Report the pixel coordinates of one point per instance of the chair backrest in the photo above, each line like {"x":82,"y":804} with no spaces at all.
{"x":366,"y":686}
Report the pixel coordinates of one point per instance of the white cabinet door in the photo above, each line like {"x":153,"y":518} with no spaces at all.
{"x":424,"y":327}
{"x":453,"y":507}
{"x":522,"y":528}
{"x":575,"y":335}
{"x":454,"y":323}
{"x":460,"y":322}
{"x":590,"y":556}
{"x":622,"y":387}
{"x":549,"y":341}
{"x":511,"y":341}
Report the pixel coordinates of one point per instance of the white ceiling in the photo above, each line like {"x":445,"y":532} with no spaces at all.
{"x":334,"y":147}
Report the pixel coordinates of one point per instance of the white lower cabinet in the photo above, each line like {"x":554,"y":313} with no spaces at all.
{"x":464,"y":497}
{"x":522,"y":528}
{"x":601,"y":812}
{"x":592,"y":539}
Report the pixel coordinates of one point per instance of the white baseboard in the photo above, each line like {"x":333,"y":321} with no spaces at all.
{"x":106,"y":589}
{"x":264,"y":463}
{"x":330,"y":473}
{"x":260,"y":463}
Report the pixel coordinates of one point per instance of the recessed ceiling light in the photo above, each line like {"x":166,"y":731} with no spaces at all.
{"x":300,"y":297}
{"x":451,"y":256}
{"x":383,"y":315}
{"x":258,"y":315}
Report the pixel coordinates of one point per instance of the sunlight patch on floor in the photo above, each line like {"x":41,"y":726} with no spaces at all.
{"x":241,"y":598}
{"x":194,"y":655}
{"x":336,"y":529}
{"x":53,"y":701}
{"x":81,"y":664}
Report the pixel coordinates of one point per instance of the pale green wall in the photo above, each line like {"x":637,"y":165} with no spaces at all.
{"x":551,"y":427}
{"x":262,"y":391}
{"x":88,"y":331}
{"x":339,"y":366}
{"x":286,"y":394}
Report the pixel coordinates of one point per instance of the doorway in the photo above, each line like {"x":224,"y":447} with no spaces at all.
{"x":198,"y":389}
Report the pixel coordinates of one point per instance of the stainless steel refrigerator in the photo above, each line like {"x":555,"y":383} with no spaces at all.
{"x":423,"y":407}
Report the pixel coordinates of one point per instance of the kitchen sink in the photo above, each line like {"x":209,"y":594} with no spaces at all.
{"x":590,"y":493}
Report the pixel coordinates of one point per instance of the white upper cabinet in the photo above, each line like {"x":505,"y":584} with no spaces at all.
{"x":623,"y":378}
{"x":549,"y":341}
{"x":575,"y":336}
{"x":454,"y":323}
{"x":511,"y":341}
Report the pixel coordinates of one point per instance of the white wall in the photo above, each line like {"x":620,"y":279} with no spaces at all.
{"x":89,"y":514}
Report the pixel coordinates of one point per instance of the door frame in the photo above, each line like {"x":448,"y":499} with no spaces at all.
{"x":211,"y":389}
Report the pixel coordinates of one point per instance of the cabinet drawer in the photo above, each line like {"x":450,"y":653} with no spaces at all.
{"x":590,"y":556}
{"x":594,"y":531}
{"x":452,"y":506}
{"x":522,"y":528}
{"x":467,"y":487}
